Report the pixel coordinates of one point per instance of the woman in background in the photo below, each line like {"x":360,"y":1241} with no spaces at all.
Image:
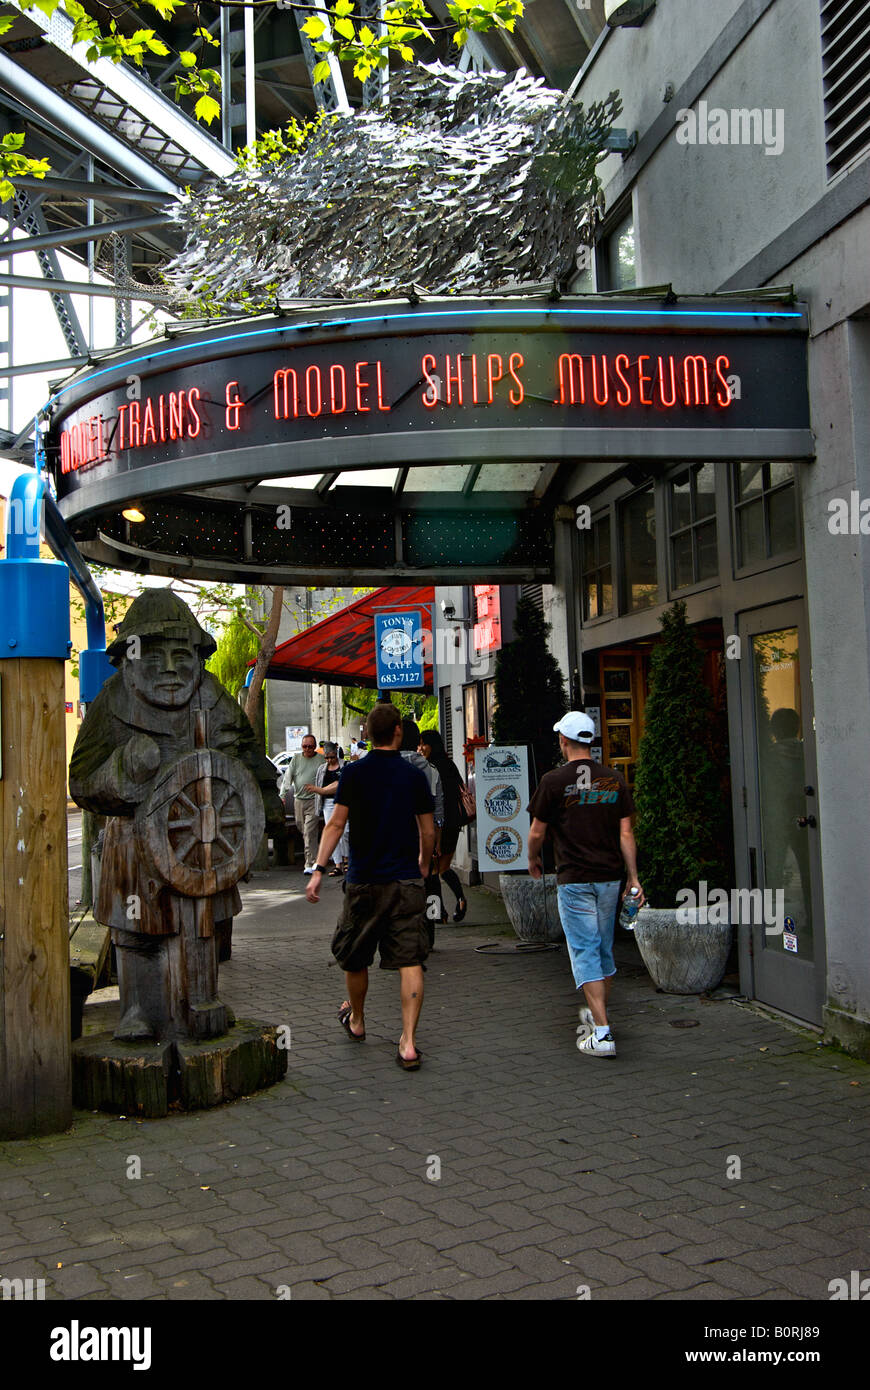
{"x":325,"y":785}
{"x":433,"y":750}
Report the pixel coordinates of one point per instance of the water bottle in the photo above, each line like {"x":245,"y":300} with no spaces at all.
{"x":630,"y":910}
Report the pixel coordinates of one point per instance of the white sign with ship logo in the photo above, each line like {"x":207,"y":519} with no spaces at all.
{"x":501,"y":776}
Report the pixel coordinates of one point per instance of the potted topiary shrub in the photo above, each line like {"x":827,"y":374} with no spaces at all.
{"x":683,"y":827}
{"x":530,"y":698}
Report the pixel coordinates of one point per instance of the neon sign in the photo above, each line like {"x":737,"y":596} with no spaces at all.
{"x":487,"y":628}
{"x":688,"y":382}
{"x":322,"y":387}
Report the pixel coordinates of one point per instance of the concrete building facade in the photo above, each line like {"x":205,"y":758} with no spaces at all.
{"x":751,"y":169}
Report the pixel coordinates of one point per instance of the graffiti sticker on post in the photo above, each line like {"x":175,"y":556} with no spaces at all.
{"x":502,"y":789}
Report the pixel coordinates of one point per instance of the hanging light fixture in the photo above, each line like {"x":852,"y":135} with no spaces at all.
{"x":133,"y":514}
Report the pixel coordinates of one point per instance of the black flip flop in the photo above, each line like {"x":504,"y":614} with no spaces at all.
{"x":344,"y":1019}
{"x":408,"y":1063}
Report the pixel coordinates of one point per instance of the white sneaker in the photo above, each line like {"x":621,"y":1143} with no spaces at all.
{"x":587,"y":1023}
{"x":597,"y":1047}
{"x":309,"y":869}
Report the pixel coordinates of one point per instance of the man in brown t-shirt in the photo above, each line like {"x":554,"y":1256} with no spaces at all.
{"x":587,"y":810}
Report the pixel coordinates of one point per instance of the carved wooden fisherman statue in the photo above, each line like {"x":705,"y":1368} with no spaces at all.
{"x":169,"y":756}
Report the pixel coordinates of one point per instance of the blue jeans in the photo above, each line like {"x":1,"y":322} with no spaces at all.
{"x":588,"y":916}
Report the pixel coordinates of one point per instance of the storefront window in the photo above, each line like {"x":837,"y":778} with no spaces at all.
{"x":471,"y":704}
{"x":584,"y":279}
{"x":621,"y":268}
{"x":597,"y":578}
{"x":638,"y":521}
{"x":693,"y":526}
{"x":765,"y":507}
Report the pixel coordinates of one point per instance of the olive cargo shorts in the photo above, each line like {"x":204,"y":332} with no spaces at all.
{"x":388,"y":917}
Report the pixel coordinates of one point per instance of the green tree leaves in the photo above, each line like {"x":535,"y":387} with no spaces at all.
{"x":207,"y":109}
{"x":479,"y":15}
{"x":350,"y":39}
{"x":237,"y":647}
{"x":13,"y":163}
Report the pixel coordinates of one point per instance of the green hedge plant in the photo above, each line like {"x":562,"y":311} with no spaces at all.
{"x":682,"y":815}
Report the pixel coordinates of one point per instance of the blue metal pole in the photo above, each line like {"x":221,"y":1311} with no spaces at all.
{"x":34,"y":593}
{"x":94,"y":666}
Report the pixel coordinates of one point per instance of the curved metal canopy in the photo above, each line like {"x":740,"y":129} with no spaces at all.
{"x":417,"y":442}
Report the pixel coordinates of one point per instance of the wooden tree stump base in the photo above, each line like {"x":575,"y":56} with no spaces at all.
{"x":152,"y":1079}
{"x":126,"y":1078}
{"x":245,"y":1059}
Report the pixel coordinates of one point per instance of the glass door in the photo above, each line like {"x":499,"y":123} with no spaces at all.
{"x":622,"y":712}
{"x":784,"y":912}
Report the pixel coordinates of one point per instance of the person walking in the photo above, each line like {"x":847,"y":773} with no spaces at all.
{"x":389,"y":810}
{"x":325,"y":786}
{"x":299,"y":774}
{"x":586,"y":808}
{"x":410,"y":750}
{"x":433,"y":750}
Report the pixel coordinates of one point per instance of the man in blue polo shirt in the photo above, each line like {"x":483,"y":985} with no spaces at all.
{"x":390,"y":810}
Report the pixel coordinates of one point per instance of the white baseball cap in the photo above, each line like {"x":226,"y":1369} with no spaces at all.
{"x":578,"y":727}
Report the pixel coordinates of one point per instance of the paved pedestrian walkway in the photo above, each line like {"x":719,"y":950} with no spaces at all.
{"x":509,"y":1166}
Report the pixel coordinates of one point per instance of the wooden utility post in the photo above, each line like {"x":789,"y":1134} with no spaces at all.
{"x":35,"y":1078}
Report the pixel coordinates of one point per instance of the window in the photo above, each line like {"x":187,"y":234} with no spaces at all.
{"x":584,"y":279}
{"x":639,"y":565}
{"x":471,"y":703}
{"x":692,"y":496}
{"x":621,"y":256}
{"x":765,"y":508}
{"x":597,"y":579}
{"x":845,"y":82}
{"x":620,"y":684}
{"x":535,"y":593}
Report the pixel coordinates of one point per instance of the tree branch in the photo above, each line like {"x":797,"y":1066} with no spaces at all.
{"x":267,"y":650}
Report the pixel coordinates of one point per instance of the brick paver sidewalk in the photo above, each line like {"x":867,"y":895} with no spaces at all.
{"x":556,"y":1171}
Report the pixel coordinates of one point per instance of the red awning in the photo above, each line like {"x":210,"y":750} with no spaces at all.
{"x":340,"y":650}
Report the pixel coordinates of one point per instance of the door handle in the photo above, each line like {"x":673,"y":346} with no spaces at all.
{"x":804,"y":821}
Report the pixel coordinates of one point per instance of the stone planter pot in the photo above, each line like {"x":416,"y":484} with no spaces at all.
{"x":682,"y":957}
{"x":532,"y":907}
